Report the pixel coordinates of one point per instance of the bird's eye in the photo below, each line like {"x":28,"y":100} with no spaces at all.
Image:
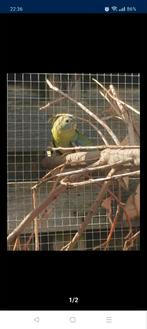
{"x":67,"y":120}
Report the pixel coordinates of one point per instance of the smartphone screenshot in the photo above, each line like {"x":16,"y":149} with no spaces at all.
{"x":73,"y":249}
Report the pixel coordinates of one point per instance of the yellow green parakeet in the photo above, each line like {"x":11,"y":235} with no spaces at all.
{"x":65,"y":134}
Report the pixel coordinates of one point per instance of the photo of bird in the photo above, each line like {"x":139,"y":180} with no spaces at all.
{"x":65,"y":133}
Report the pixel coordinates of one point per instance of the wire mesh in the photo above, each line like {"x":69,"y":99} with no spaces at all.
{"x":28,"y":136}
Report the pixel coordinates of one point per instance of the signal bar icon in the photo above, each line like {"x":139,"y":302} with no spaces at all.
{"x":122,"y":9}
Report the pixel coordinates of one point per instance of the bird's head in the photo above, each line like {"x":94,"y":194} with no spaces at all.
{"x":64,"y":122}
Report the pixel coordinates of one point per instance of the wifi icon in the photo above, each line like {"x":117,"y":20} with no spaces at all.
{"x":114,"y":8}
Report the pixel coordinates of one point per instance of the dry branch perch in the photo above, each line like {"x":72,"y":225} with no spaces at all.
{"x":52,"y":161}
{"x":71,"y":159}
{"x":111,"y":156}
{"x":106,"y":156}
{"x":124,"y":157}
{"x":91,"y":169}
{"x":122,"y":146}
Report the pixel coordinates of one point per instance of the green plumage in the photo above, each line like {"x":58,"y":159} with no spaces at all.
{"x":65,"y":133}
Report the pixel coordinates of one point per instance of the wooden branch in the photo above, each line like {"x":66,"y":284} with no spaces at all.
{"x":115,"y":98}
{"x":65,"y":182}
{"x":110,"y":156}
{"x":107,"y":156}
{"x":26,"y":245}
{"x":90,"y":169}
{"x":98,"y":160}
{"x":122,"y":205}
{"x":34,"y":213}
{"x":36,"y":233}
{"x":108,"y":117}
{"x":114,"y":106}
{"x":46,"y":177}
{"x":94,"y":147}
{"x":106,"y":243}
{"x":53,"y":162}
{"x":84,"y":108}
{"x":71,"y":159}
{"x":121,"y":109}
{"x":129,"y":242}
{"x":45,"y":107}
{"x":17,"y":244}
{"x":91,"y":212}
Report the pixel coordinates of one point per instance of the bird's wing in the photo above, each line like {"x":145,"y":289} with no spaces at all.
{"x":81,"y":140}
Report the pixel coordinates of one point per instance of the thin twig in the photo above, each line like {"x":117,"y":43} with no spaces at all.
{"x":111,"y":117}
{"x":45,"y":213}
{"x":36,"y":234}
{"x":113,"y":226}
{"x":89,"y":169}
{"x":122,"y":205}
{"x":129,"y":243}
{"x":97,"y":180}
{"x":106,"y":243}
{"x":45,"y":178}
{"x":17,"y":244}
{"x":115,"y":98}
{"x":114,"y":107}
{"x":95,"y":147}
{"x":51,"y":103}
{"x":115,"y":104}
{"x":25,"y":246}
